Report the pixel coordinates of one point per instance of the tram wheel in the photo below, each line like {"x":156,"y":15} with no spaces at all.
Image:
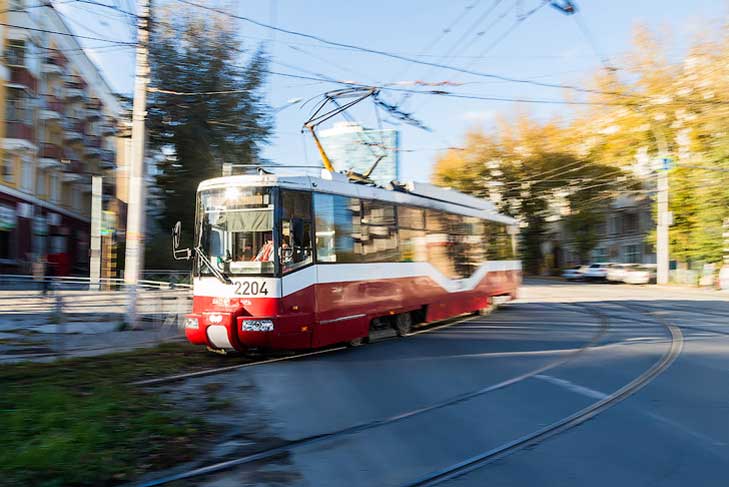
{"x":403,"y":323}
{"x":356,"y":342}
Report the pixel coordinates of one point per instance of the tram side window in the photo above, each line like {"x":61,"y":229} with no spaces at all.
{"x":296,"y":228}
{"x":439,"y":244}
{"x":378,"y":232}
{"x":499,"y":242}
{"x":337,"y":227}
{"x":411,"y":234}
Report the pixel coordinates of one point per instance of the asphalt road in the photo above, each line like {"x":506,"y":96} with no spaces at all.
{"x":674,"y":431}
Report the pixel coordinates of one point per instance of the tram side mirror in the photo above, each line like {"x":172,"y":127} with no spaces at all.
{"x":178,"y":253}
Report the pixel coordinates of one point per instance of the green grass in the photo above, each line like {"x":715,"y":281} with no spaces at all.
{"x":78,"y":422}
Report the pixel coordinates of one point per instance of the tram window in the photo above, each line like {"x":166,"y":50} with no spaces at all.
{"x":378,"y":233}
{"x":499,"y":242}
{"x":409,"y":217}
{"x":236,"y":230}
{"x":337,"y":227}
{"x":440,"y":252}
{"x":413,"y":245}
{"x":296,"y":248}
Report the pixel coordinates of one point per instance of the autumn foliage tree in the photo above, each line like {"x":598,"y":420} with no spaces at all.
{"x":644,"y":109}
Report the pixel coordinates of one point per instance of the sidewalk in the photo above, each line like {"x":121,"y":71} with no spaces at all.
{"x":34,"y":328}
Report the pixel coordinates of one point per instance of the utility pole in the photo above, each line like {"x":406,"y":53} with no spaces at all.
{"x":95,"y":249}
{"x":134,"y":257}
{"x":664,"y":221}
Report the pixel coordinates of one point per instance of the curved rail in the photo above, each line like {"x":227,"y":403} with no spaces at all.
{"x":306,"y":441}
{"x":478,"y":461}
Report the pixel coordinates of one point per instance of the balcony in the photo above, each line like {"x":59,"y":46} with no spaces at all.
{"x":53,"y":103}
{"x":108,"y":128}
{"x":52,"y":66}
{"x":71,"y":162}
{"x":19,"y":130}
{"x":50,"y":154}
{"x":75,"y":88}
{"x":93,"y":109}
{"x":20,"y":77}
{"x":107,"y":159}
{"x":73,"y":129}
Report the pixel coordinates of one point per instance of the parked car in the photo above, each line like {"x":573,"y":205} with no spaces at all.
{"x":616,"y":272}
{"x":573,"y":273}
{"x":596,"y":272}
{"x":643,"y":274}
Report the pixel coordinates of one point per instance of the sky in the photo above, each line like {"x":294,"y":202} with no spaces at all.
{"x":484,"y":36}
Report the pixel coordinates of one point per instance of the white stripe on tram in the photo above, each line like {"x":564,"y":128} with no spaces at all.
{"x":333,"y":273}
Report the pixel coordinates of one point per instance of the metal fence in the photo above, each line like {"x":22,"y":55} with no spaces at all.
{"x":59,"y":316}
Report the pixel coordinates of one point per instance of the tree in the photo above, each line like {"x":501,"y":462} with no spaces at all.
{"x":198,"y":132}
{"x":532,"y":172}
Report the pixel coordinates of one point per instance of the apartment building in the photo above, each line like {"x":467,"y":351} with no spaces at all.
{"x":58,"y":130}
{"x":622,"y":235}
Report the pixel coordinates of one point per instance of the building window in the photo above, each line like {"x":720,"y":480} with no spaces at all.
{"x":599,"y":254}
{"x":18,"y":107}
{"x":26,"y":178}
{"x":632,"y":254}
{"x":630,"y":222}
{"x":53,"y":186}
{"x":40,"y":182}
{"x":76,"y":198}
{"x":9,"y":169}
{"x":15,"y":54}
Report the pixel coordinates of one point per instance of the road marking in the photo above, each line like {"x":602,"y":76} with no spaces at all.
{"x":571,"y":386}
{"x":594,"y":394}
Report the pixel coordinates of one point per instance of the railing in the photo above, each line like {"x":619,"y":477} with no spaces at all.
{"x":20,"y":75}
{"x":51,"y":151}
{"x":53,"y":103}
{"x":19,"y":130}
{"x":62,"y":316}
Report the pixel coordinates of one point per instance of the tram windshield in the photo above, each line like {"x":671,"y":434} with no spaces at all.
{"x":235,"y":230}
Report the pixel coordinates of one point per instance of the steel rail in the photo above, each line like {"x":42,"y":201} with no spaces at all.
{"x":231,"y":368}
{"x":357,"y":428}
{"x":575,"y":419}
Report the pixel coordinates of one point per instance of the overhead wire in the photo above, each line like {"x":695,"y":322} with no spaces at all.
{"x":397,"y":56}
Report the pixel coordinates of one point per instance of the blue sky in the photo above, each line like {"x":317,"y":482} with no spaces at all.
{"x":547,"y":47}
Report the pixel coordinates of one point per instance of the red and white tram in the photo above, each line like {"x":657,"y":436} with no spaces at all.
{"x":295,"y":262}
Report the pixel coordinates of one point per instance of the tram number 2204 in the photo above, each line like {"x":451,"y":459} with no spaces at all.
{"x":251,"y":288}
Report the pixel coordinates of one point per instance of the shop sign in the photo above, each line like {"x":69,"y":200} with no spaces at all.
{"x":40,"y":225}
{"x":7,"y":217}
{"x":108,"y":222}
{"x":25,"y":210}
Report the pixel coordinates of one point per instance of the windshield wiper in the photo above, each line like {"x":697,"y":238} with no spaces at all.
{"x":223,"y":277}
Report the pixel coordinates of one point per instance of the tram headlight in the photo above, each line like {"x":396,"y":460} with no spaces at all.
{"x":257,"y":325}
{"x":191,"y":323}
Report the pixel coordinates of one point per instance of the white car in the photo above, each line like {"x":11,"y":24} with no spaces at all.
{"x":617,"y":272}
{"x":644,"y":274}
{"x":596,"y":272}
{"x":573,"y":273}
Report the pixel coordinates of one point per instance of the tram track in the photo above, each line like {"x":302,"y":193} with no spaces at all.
{"x":299,"y":355}
{"x":603,"y":323}
{"x":484,"y":458}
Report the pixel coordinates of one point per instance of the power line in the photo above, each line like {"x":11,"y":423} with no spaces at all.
{"x":513,"y":27}
{"x":443,"y":93}
{"x":400,"y":57}
{"x":67,"y":34}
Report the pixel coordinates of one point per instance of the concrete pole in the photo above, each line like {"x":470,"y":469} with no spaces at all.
{"x":664,"y":221}
{"x":95,"y":247}
{"x":135,"y":212}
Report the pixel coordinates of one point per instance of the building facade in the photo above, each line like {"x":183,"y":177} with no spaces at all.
{"x":622,"y":236}
{"x":351,"y":146}
{"x":59,"y":130}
